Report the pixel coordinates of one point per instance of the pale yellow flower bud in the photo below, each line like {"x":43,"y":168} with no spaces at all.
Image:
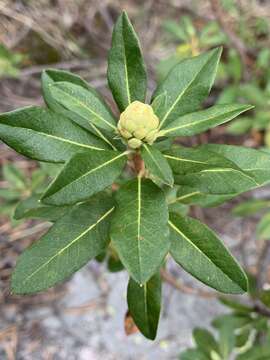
{"x":134,"y":143}
{"x":138,"y":122}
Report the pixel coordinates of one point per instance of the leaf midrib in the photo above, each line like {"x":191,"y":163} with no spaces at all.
{"x":91,"y":227}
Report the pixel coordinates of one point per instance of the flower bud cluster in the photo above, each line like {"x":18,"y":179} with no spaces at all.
{"x":138,"y":124}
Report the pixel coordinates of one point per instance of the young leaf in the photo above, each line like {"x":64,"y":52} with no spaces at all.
{"x":139,"y":229}
{"x":85,"y":103}
{"x":85,"y":174}
{"x":157,"y":165}
{"x":188,"y":84}
{"x":51,"y":76}
{"x":44,"y":135}
{"x":32,"y":208}
{"x":72,"y":241}
{"x":199,"y":251}
{"x":200,"y":121}
{"x":126,"y":69}
{"x":144,"y":304}
{"x":159,"y":105}
{"x":254,"y":162}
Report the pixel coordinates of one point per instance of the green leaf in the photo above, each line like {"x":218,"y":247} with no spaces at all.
{"x":184,"y":160}
{"x":114,"y":264}
{"x":200,"y":121}
{"x":126,"y":69}
{"x":257,"y":352}
{"x":159,"y":105}
{"x":85,"y":103}
{"x":10,"y":194}
{"x":32,"y":208}
{"x":192,"y":354}
{"x":157,"y":165}
{"x":265,"y":297}
{"x":227,"y":340}
{"x":240,"y":126}
{"x":254,"y":162}
{"x":263,"y":227}
{"x":139,"y":229}
{"x":85,"y":174}
{"x":199,"y":251}
{"x":235,"y":321}
{"x":250,"y":207}
{"x":71,"y":242}
{"x":51,"y":76}
{"x":219,"y":181}
{"x":188,"y":84}
{"x":207,"y":172}
{"x":14,"y":176}
{"x":44,"y":135}
{"x":205,"y":340}
{"x":144,"y":304}
{"x":188,"y":195}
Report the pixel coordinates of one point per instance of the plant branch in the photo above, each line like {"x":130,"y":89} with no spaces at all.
{"x":168,"y":278}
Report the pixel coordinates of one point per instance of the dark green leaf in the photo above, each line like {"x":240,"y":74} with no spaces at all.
{"x":189,"y":195}
{"x":184,"y":160}
{"x":207,"y":172}
{"x":254,"y":162}
{"x":126,"y":69}
{"x":144,"y":305}
{"x":76,"y":238}
{"x":51,"y":76}
{"x":200,"y":121}
{"x":114,"y":264}
{"x":188,"y":84}
{"x":139,"y":229}
{"x":85,"y":103}
{"x":157,"y":165}
{"x":44,"y":135}
{"x":85,"y":174}
{"x":32,"y":208}
{"x":199,"y":251}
